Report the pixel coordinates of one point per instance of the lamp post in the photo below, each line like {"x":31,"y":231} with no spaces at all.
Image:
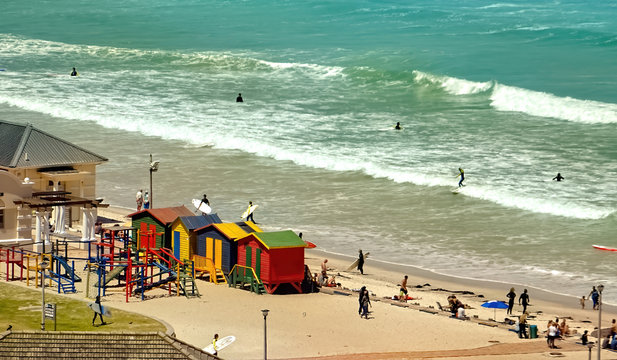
{"x":600,"y":288}
{"x":265,"y":313}
{"x":43,"y":266}
{"x":154,"y":166}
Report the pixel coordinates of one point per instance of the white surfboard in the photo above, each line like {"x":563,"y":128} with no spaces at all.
{"x":220,"y":344}
{"x":249,"y":211}
{"x":355,"y":263}
{"x":203,"y":207}
{"x":99,"y":309}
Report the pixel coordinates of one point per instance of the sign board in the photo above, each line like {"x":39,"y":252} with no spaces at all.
{"x":50,"y":311}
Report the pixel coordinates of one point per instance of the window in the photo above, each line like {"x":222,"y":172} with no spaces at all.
{"x":1,"y":219}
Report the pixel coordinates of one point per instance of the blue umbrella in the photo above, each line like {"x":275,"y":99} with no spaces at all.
{"x":494,"y":304}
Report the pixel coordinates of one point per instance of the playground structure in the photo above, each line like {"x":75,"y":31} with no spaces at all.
{"x":58,"y":269}
{"x":139,"y":270}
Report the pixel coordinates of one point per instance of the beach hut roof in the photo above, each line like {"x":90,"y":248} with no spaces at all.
{"x":230,"y":230}
{"x":278,"y":239}
{"x":248,"y":226}
{"x":24,"y":146}
{"x":165,"y":215}
{"x":198,"y":221}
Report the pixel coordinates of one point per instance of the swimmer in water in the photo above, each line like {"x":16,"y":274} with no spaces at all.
{"x":462,"y":175}
{"x":559,"y":177}
{"x":74,"y":72}
{"x":398,"y":126}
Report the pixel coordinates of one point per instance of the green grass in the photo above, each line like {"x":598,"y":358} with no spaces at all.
{"x":21,"y":308}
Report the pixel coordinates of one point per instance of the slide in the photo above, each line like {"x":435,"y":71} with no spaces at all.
{"x":112,"y":275}
{"x":67,"y":268}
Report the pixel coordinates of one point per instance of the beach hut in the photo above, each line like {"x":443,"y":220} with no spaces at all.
{"x":155,"y":225}
{"x":277,"y":257}
{"x":215,"y":244}
{"x":183,"y":244}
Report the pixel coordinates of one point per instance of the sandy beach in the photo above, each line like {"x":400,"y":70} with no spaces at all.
{"x":326,"y":324}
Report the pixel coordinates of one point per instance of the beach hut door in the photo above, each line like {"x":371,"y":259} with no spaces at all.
{"x":258,"y":262}
{"x":177,"y":244}
{"x":249,"y":257}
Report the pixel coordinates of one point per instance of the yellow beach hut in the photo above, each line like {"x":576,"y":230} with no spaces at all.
{"x":183,"y":245}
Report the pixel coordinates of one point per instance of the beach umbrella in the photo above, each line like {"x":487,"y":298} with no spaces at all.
{"x":310,"y":245}
{"x":494,"y":304}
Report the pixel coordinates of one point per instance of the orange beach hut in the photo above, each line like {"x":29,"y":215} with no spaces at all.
{"x":277,"y":258}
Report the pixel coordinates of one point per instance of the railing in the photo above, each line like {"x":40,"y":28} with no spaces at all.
{"x":245,"y":275}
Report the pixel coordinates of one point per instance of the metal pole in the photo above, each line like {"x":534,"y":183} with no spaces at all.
{"x":600,"y":288}
{"x":43,"y":299}
{"x":265,"y":313}
{"x":150,"y":199}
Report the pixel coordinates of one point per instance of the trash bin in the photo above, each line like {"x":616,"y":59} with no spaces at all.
{"x":533,"y":331}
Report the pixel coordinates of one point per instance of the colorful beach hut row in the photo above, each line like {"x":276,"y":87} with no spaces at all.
{"x":216,"y":247}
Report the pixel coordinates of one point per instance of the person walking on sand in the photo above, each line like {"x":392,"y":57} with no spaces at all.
{"x":522,"y":325}
{"x":204,"y":200}
{"x":98,"y":302}
{"x":582,"y":301}
{"x":239,"y":98}
{"x":594,"y":295}
{"x":146,"y":200}
{"x":511,"y":297}
{"x":524,"y":298}
{"x":360,"y":295}
{"x":366,"y":301}
{"x":139,"y":199}
{"x":361,"y":262}
{"x":250,"y":216}
{"x":559,"y":177}
{"x":462,"y":175}
{"x":214,"y":340}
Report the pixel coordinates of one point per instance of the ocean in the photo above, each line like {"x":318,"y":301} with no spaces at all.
{"x":512,"y":92}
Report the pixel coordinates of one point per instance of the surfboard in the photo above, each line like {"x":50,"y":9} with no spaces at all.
{"x":456,"y":190}
{"x":249,"y":211}
{"x":220,"y":344}
{"x":605,"y":248}
{"x":355,"y":263}
{"x":203,"y":207}
{"x":99,"y":309}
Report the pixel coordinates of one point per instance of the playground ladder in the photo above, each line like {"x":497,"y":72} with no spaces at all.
{"x":188,"y":286}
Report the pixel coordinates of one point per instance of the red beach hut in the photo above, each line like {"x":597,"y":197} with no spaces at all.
{"x":277,"y":257}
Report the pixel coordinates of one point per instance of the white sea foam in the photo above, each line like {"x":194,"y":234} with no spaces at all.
{"x":536,"y":103}
{"x":453,"y":85}
{"x":509,"y":98}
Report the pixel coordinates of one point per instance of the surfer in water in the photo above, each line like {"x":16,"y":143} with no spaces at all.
{"x":559,"y":177}
{"x":398,"y":126}
{"x":239,"y":98}
{"x":462,"y":175}
{"x":74,"y":72}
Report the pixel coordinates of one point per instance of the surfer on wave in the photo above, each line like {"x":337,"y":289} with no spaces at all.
{"x":462,"y":175}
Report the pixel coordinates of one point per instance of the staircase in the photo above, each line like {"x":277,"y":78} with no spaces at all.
{"x":246,"y":278}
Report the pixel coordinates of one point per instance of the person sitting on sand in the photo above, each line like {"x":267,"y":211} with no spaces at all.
{"x":332,"y":281}
{"x":564,"y":329}
{"x":403,"y":293}
{"x":585,"y":337}
{"x":323,"y":279}
{"x":460,"y":312}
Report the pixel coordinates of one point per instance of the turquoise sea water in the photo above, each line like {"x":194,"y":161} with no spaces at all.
{"x":512,"y":92}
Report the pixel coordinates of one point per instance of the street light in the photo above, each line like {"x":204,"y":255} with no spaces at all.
{"x":43,"y":266}
{"x":600,"y":288}
{"x":154,"y":166}
{"x":265,"y":313}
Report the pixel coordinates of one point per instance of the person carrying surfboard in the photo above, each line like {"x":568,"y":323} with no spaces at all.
{"x":250,"y":215}
{"x":462,"y":175}
{"x":216,"y":337}
{"x":98,"y":302}
{"x":204,"y":200}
